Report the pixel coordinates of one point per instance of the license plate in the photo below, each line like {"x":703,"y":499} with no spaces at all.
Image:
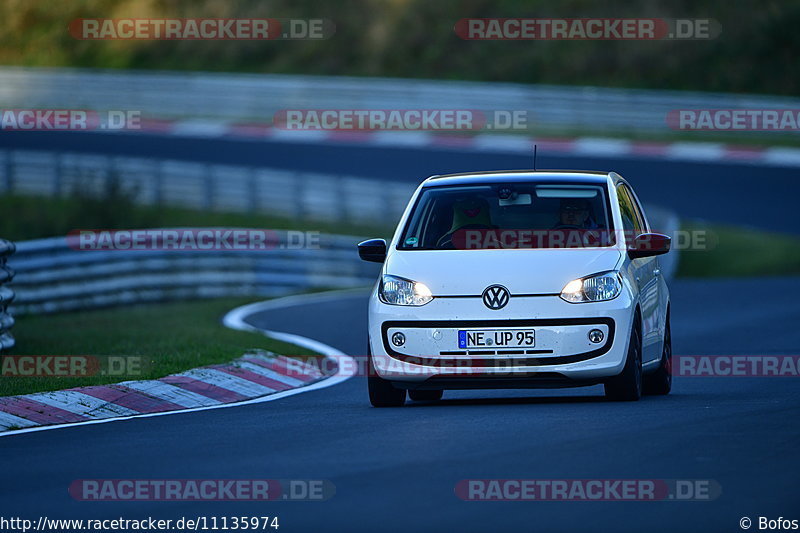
{"x":495,"y":338}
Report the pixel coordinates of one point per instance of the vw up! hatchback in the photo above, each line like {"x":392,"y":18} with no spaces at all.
{"x":519,"y":279}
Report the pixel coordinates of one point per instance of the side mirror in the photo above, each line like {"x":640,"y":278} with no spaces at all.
{"x":372,"y":250}
{"x":648,"y":245}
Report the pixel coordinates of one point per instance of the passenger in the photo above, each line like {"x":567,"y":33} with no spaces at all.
{"x":575,"y":213}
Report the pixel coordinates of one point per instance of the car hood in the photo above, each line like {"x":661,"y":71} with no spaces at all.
{"x":469,"y":272}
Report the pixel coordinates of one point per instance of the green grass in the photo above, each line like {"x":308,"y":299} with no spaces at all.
{"x":733,"y":251}
{"x":170,"y":337}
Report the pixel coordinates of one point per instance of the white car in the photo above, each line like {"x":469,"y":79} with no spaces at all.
{"x":519,"y":279}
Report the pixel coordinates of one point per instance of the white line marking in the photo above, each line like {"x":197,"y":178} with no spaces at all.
{"x":235,"y":319}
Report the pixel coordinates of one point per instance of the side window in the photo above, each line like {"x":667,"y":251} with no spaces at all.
{"x":637,"y":209}
{"x":631,"y":221}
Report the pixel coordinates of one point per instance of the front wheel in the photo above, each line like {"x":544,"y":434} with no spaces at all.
{"x":660,"y":381}
{"x":381,"y":392}
{"x":627,"y":386}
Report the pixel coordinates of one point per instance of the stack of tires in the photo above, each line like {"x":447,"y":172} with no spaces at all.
{"x":6,"y":295}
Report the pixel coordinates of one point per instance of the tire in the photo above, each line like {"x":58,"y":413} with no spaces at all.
{"x":381,"y":392}
{"x":627,"y":386}
{"x":660,"y":381}
{"x":425,"y":395}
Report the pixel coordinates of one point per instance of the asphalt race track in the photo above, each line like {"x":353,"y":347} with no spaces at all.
{"x":396,"y":469}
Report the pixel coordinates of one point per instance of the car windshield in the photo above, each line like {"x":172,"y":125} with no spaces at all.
{"x":509,"y":215}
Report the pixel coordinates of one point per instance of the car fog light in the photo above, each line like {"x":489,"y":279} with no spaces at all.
{"x":398,"y":339}
{"x":596,"y":336}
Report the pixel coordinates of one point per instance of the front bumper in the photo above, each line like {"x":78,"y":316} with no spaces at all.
{"x":562,"y":354}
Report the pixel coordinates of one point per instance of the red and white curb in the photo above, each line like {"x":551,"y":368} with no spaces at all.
{"x":253,"y":378}
{"x":488,"y":142}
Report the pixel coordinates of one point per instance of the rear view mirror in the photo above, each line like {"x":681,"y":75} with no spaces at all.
{"x":372,"y":250}
{"x":648,"y":245}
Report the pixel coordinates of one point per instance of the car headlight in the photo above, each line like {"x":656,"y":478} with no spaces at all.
{"x":596,"y":288}
{"x":399,"y":291}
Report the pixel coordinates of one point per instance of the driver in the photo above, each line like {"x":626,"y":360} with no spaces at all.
{"x":575,"y":214}
{"x":468,"y":213}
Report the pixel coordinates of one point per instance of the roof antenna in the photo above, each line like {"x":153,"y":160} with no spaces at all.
{"x":534,"y":158}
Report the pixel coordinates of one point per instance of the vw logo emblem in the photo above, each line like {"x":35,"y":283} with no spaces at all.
{"x":495,"y":297}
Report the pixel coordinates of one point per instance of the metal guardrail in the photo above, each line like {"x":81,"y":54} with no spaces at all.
{"x":256,"y":98}
{"x":295,"y":195}
{"x":6,"y":295}
{"x":53,"y":277}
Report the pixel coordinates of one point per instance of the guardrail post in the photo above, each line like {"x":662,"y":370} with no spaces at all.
{"x":109,"y":177}
{"x":58,"y":177}
{"x":208,"y":189}
{"x":158,"y":183}
{"x":300,"y":196}
{"x":388,"y":204}
{"x":6,"y":295}
{"x":252,"y":186}
{"x":340,"y":202}
{"x":9,"y":171}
